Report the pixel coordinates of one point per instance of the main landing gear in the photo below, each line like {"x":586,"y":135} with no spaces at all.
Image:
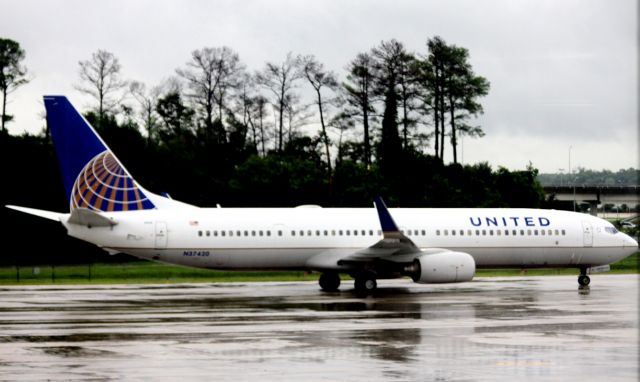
{"x":329,"y":282}
{"x":365,"y":282}
{"x":583,"y":279}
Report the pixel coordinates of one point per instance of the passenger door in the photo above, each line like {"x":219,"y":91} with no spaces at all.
{"x":161,"y":235}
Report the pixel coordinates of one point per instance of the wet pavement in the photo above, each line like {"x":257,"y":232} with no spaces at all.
{"x":517,"y":328}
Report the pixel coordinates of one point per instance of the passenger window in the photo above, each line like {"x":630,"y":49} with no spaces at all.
{"x":437,"y":232}
{"x":293,"y":233}
{"x":260,"y":233}
{"x":301,"y":233}
{"x":423,"y":232}
{"x":309,"y":233}
{"x":498,"y":232}
{"x":340,"y":232}
{"x":453,"y":232}
{"x":246,"y":233}
{"x":491,"y":232}
{"x":355,"y":232}
{"x":563,"y":232}
{"x":333,"y":232}
{"x":326,"y":233}
{"x":446,"y":232}
{"x":506,"y":232}
{"x":237,"y":233}
{"x":484,"y":232}
{"x":557,"y":232}
{"x":529,"y":232}
{"x":542,"y":232}
{"x":477,"y":232}
{"x":348,"y":233}
{"x":469,"y":232}
{"x":535,"y":232}
{"x":379,"y":232}
{"x":521,"y":232}
{"x":223,"y":233}
{"x":279,"y":233}
{"x":514,"y":232}
{"x":550,"y":232}
{"x":230,"y":233}
{"x":199,"y":233}
{"x":370,"y":232}
{"x":215,"y":233}
{"x":253,"y":233}
{"x":208,"y":233}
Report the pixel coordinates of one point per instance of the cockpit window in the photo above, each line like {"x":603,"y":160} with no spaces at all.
{"x":611,"y":230}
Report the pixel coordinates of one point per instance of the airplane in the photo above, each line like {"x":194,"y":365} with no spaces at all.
{"x":108,"y":208}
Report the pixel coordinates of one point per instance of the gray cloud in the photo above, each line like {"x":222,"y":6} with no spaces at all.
{"x":561,"y":72}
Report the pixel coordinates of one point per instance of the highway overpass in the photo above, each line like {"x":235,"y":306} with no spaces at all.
{"x":596,"y":195}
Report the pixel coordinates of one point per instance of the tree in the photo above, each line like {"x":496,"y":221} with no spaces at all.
{"x":434,"y":89}
{"x":147,"y":101}
{"x":177,"y":117}
{"x":320,"y":78}
{"x":451,"y":87}
{"x":389,"y":57}
{"x":280,"y":80}
{"x":12,"y":74}
{"x":359,"y":96}
{"x":257,"y":119}
{"x":463,"y":88}
{"x":101,"y":76}
{"x":210,"y":74}
{"x":408,"y":92}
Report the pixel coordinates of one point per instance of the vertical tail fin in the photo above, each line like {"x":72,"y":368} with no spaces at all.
{"x":93,"y":177}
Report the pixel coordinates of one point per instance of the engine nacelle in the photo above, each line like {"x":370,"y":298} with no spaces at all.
{"x":443,"y":267}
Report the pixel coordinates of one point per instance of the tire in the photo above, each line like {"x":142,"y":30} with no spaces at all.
{"x":329,"y":282}
{"x":366,"y":283}
{"x":584,"y":280}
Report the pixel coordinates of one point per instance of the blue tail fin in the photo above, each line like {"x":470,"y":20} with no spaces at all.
{"x":93,"y":177}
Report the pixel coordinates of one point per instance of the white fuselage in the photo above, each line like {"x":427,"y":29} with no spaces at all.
{"x":311,"y":238}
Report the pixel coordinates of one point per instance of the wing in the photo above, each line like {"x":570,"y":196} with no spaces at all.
{"x":394,"y":247}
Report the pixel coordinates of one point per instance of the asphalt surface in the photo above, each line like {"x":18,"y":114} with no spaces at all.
{"x":516,"y":328}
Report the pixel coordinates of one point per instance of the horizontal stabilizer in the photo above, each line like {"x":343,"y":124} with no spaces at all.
{"x":41,"y":213}
{"x":83,"y":216}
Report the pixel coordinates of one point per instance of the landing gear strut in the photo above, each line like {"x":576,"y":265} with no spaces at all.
{"x":329,"y":282}
{"x":583,"y":279}
{"x":365,"y":282}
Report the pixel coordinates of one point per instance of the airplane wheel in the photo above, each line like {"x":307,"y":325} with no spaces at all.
{"x":329,"y":282}
{"x":584,"y":280}
{"x":366,"y":283}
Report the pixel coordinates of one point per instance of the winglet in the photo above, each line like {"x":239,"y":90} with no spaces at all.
{"x":393,"y":239}
{"x":386,"y":221}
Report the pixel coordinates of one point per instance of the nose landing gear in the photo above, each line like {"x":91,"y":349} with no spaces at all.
{"x":583,"y":279}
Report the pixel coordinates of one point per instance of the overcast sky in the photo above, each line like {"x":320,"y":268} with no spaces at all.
{"x":563,"y":73}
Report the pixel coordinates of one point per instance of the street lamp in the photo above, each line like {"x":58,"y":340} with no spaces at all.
{"x":572,"y":180}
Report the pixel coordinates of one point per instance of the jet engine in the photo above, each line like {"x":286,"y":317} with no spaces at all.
{"x":442,"y":267}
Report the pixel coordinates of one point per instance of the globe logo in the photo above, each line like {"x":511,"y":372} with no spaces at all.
{"x":104,"y":185}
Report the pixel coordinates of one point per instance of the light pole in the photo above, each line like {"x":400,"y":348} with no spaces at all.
{"x":572,"y":180}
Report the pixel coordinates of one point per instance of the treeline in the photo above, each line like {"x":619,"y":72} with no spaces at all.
{"x":585,"y":177}
{"x":219,"y":134}
{"x":295,"y":176}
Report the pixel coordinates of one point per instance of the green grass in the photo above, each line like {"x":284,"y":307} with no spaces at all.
{"x":144,"y":272}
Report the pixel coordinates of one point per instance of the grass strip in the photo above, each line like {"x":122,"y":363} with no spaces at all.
{"x":146,"y":272}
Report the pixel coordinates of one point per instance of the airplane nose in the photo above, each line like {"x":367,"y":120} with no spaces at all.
{"x":629,"y":242}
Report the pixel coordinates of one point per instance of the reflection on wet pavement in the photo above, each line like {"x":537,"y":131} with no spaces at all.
{"x":532,"y":328}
